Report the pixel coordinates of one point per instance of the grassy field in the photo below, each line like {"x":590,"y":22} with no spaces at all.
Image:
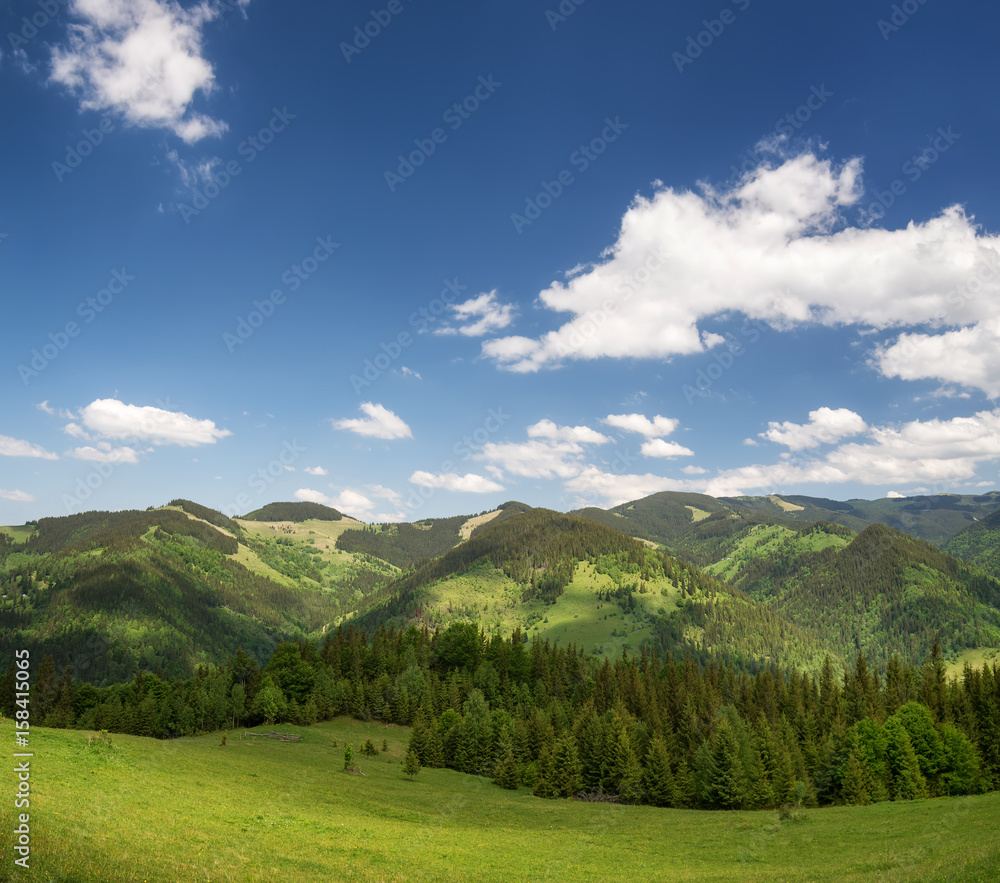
{"x":18,"y":534}
{"x":487,"y":596}
{"x":262,"y":810}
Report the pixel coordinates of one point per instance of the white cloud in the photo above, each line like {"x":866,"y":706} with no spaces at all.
{"x":931,"y":451}
{"x":409,"y":372}
{"x":380,"y":423}
{"x":967,"y":356}
{"x":657,"y":447}
{"x":582,"y":434}
{"x":694,"y":470}
{"x":143,"y":59}
{"x":895,"y":495}
{"x":485,"y":311}
{"x":470,"y":483}
{"x":104,"y":454}
{"x":16,"y":496}
{"x":612,"y":488}
{"x":348,"y":501}
{"x":384,"y":493}
{"x":535,"y":459}
{"x":658,"y":426}
{"x":110,"y":418}
{"x":315,"y":470}
{"x":15,"y":447}
{"x":825,"y":426}
{"x":774,"y":248}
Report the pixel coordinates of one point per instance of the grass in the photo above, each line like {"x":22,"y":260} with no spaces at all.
{"x":487,"y":596}
{"x":18,"y":534}
{"x":261,"y":810}
{"x":977,"y":658}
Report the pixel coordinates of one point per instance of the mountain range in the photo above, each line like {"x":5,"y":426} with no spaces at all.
{"x":755,"y":580}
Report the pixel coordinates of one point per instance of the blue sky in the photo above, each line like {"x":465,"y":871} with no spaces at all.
{"x":415,"y":259}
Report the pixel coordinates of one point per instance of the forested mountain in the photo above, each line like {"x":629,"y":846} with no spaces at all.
{"x":299,"y":511}
{"x":595,"y":584}
{"x":117,"y":592}
{"x":672,"y":518}
{"x":979,"y":544}
{"x":746,"y":580}
{"x":880,"y":591}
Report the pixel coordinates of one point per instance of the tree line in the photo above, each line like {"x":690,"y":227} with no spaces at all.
{"x":667,"y":731}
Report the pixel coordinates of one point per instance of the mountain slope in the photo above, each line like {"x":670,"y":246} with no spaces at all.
{"x":979,"y":544}
{"x":573,"y":580}
{"x":671,"y":518}
{"x":115,"y":592}
{"x":880,"y":591}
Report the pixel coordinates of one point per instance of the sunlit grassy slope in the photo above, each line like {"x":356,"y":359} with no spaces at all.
{"x":261,"y":810}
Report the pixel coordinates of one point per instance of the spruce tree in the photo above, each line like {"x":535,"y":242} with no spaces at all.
{"x":854,"y":788}
{"x":657,"y":779}
{"x":729,"y":785}
{"x":411,"y":765}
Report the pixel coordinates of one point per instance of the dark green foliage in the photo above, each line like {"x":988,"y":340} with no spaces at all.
{"x":639,"y":729}
{"x":213,"y":516}
{"x":411,"y":766}
{"x":161,"y":583}
{"x":979,"y":544}
{"x":404,"y":545}
{"x":296,"y":512}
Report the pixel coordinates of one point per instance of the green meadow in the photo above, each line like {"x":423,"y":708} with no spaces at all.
{"x":263,"y":810}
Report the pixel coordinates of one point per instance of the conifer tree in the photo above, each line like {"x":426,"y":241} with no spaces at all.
{"x":854,"y":787}
{"x":411,"y":765}
{"x":729,"y":785}
{"x":657,"y":779}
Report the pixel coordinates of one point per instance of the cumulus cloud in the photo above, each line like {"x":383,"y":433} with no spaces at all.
{"x":774,"y":247}
{"x":896,"y":495}
{"x":825,"y":426}
{"x":379,"y":423}
{"x":15,"y":447}
{"x":104,"y":454}
{"x":481,"y":315}
{"x":534,"y":459}
{"x":657,"y":447}
{"x":315,"y":470}
{"x":582,"y":434}
{"x":967,"y":356}
{"x":113,"y":419}
{"x":929,"y":451}
{"x":143,"y":59}
{"x":16,"y":496}
{"x":657,"y":427}
{"x":694,"y":470}
{"x":612,"y":488}
{"x":470,"y":483}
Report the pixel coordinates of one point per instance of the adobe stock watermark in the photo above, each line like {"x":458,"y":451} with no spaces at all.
{"x":373,"y":368}
{"x":88,"y":310}
{"x":261,"y":479}
{"x":378,"y":21}
{"x":750,"y":333}
{"x":697,"y":43}
{"x":587,"y":324}
{"x":785,"y":127}
{"x":454,"y":117}
{"x":562,"y":12}
{"x":76,"y":154}
{"x":900,"y":14}
{"x":89,"y":484}
{"x":581,"y":159}
{"x":30,"y":27}
{"x":294,"y":277}
{"x":465,"y":448}
{"x":249,"y":148}
{"x":913,"y":170}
